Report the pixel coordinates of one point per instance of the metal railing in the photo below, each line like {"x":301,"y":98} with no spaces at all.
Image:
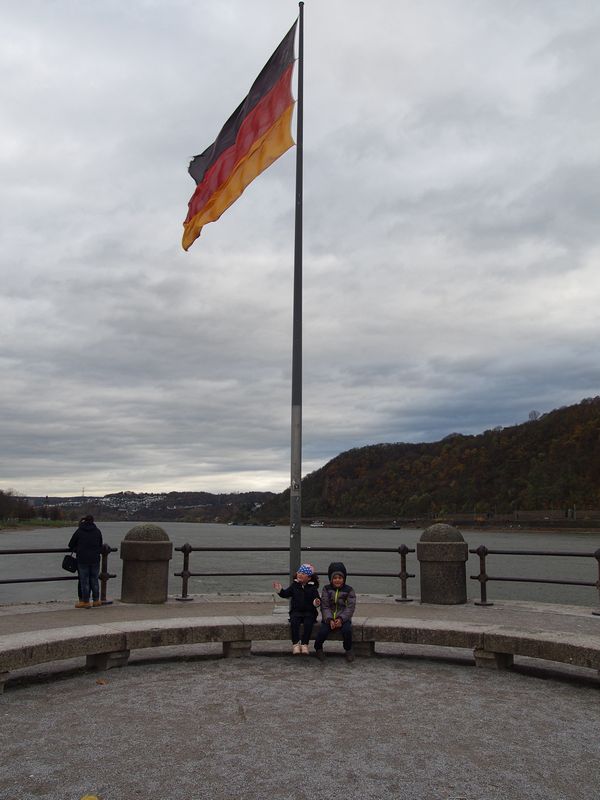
{"x":103,"y":577}
{"x":186,"y":574}
{"x":482,"y":551}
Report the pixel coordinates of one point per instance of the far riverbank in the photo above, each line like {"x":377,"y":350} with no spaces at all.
{"x":36,"y":525}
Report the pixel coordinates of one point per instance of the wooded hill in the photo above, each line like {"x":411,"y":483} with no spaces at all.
{"x":550,"y":462}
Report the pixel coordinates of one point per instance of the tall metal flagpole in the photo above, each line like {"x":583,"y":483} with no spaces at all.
{"x":296,"y":448}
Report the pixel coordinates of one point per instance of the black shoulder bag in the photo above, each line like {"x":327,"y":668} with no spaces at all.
{"x":69,"y":563}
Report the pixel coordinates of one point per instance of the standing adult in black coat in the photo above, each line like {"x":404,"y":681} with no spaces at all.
{"x":86,"y":543}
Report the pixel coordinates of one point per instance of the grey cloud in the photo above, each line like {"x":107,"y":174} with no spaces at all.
{"x":451,"y":188}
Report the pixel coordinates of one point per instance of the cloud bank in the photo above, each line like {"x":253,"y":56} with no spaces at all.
{"x":451,"y":244}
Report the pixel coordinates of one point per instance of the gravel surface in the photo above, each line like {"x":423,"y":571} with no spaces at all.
{"x":275,"y":726}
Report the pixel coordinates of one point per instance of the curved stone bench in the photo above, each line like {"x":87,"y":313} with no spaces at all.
{"x":109,"y":645}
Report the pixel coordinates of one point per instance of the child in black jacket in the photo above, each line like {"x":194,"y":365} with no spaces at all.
{"x":304,"y":594}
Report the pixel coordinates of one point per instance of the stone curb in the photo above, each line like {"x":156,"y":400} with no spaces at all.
{"x":109,"y":644}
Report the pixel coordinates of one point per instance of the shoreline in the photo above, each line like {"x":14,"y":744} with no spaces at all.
{"x":27,"y":527}
{"x":584,"y":527}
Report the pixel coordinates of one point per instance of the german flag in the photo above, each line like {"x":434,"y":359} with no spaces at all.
{"x":254,"y":136}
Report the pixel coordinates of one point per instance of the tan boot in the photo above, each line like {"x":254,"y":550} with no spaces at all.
{"x":304,"y":649}
{"x":296,"y":649}
{"x":97,"y":603}
{"x":83,"y":604}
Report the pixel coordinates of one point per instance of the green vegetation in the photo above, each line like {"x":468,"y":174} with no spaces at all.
{"x":7,"y":525}
{"x":18,"y":512}
{"x":550,"y":462}
{"x":14,"y":508}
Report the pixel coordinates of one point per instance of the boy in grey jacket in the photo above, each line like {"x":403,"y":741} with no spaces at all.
{"x":338,"y":602}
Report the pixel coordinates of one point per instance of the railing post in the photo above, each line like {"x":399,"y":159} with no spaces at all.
{"x":442,"y":553}
{"x":597,"y":557}
{"x":481,"y":551}
{"x":104,"y":573}
{"x":186,"y":549}
{"x":403,"y":575}
{"x":145,"y":551}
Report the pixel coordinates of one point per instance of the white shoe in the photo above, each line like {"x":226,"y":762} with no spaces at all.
{"x":296,"y":649}
{"x":304,"y":649}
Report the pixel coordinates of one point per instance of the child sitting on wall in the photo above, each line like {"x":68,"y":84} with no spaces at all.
{"x":338,"y":602}
{"x":304,"y":594}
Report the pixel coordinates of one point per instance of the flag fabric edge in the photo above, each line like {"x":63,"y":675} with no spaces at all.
{"x":251,"y":140}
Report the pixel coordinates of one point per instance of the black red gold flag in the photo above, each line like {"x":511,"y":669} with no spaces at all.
{"x":254,"y":136}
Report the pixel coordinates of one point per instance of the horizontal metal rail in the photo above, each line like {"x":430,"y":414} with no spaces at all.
{"x":33,"y":551}
{"x":103,"y":577}
{"x":42,"y":580}
{"x":484,"y":578}
{"x":186,"y":573}
{"x":543,"y":580}
{"x":280,"y":573}
{"x":216,"y":549}
{"x":574,"y":553}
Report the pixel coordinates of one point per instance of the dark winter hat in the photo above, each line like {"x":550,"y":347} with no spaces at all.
{"x":88,"y":518}
{"x":336,"y":568}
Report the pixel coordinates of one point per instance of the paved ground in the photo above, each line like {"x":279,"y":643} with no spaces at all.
{"x":412,"y":724}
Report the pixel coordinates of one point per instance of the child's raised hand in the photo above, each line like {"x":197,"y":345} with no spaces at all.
{"x":277,"y":586}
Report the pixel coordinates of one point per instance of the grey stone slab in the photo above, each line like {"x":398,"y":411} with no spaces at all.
{"x":182,"y":630}
{"x":259,"y":628}
{"x":56,"y":644}
{"x":449,"y":637}
{"x":358,"y":629}
{"x":582,"y":651}
{"x":428,"y":632}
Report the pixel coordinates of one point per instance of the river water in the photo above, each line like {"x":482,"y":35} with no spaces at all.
{"x":198,"y":535}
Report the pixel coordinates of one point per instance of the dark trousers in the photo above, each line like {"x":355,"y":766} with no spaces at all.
{"x":296,"y":621}
{"x":88,"y":580}
{"x":325,"y":630}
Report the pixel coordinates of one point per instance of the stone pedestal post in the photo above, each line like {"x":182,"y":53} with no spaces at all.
{"x":146,"y":551}
{"x":442,"y":553}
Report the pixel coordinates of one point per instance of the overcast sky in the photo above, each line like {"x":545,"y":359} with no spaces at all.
{"x":451,"y":235}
